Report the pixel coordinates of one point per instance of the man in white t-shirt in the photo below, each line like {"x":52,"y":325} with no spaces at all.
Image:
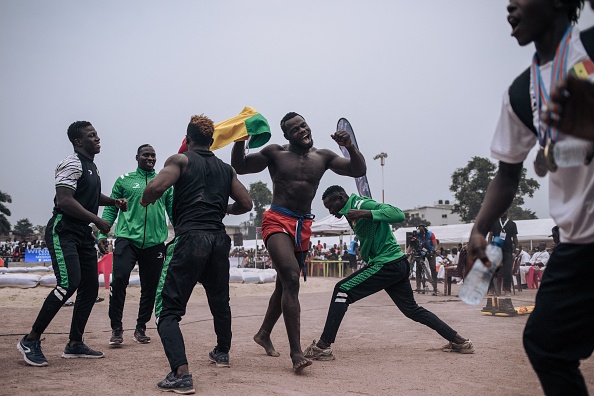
{"x":523,"y":266}
{"x":558,"y":333}
{"x":439,"y":262}
{"x":540,"y":258}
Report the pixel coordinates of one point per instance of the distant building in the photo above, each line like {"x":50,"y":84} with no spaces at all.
{"x":437,"y":215}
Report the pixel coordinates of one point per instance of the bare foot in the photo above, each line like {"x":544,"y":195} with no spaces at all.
{"x":263,"y":339}
{"x":301,"y":363}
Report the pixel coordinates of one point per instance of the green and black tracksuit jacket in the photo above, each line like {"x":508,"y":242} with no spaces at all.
{"x":387,"y":269}
{"x":378,"y":245}
{"x":140,"y":236}
{"x":142,"y":226}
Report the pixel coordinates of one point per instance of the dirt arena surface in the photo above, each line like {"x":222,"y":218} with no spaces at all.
{"x":378,"y":351}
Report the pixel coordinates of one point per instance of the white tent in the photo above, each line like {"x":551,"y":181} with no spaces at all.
{"x":454,"y":233}
{"x":331,"y":225}
{"x":528,"y":230}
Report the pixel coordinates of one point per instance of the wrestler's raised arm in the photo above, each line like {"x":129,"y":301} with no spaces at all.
{"x":355,"y":166}
{"x":250,"y":163}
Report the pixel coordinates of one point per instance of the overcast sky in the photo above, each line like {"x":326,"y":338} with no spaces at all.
{"x":419,"y":80}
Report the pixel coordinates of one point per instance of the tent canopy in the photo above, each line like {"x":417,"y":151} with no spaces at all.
{"x":331,"y":225}
{"x":528,"y":230}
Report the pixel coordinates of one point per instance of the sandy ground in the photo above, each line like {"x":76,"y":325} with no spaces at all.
{"x":378,"y":351}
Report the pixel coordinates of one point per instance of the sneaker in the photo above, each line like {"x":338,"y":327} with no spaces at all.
{"x":221,"y":359}
{"x":31,"y":351}
{"x":464,"y":348}
{"x":117,"y":337}
{"x":69,"y":303}
{"x":99,"y":299}
{"x":182,"y":385}
{"x":81,"y":351}
{"x":141,"y":337}
{"x":314,"y":353}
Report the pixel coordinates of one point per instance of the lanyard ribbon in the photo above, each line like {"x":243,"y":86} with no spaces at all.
{"x":298,"y":229}
{"x":540,"y":92}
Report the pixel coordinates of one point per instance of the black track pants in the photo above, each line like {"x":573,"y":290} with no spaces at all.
{"x":391,"y":277}
{"x":74,"y":260}
{"x":196,"y":257}
{"x":150,"y":264}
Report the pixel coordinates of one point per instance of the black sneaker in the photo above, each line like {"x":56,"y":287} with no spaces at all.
{"x":99,"y":299}
{"x":117,"y":337}
{"x":182,"y":385}
{"x":141,"y":337}
{"x":31,"y":351}
{"x":81,"y":351}
{"x":221,"y":359}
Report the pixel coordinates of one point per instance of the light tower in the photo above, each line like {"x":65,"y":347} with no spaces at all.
{"x":382,"y":157}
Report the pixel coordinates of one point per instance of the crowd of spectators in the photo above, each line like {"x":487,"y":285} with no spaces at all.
{"x":15,"y":251}
{"x":259,"y":258}
{"x":252,"y":258}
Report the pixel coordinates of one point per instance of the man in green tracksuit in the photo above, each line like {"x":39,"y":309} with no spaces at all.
{"x":387,"y":269}
{"x":140,"y":236}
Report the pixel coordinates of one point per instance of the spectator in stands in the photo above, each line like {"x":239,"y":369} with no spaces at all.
{"x":353,"y":254}
{"x":555,"y":235}
{"x":524,"y":265}
{"x":507,"y":230}
{"x":332,"y":254}
{"x":429,"y":242}
{"x":538,"y":263}
{"x":439,"y":263}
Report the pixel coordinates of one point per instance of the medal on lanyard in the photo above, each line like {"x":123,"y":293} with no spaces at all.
{"x":545,"y":160}
{"x":503,"y":234}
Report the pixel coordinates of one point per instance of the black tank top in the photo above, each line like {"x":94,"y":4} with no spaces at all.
{"x":201,"y":194}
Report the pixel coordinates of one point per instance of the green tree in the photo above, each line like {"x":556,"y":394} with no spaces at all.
{"x":39,"y":231}
{"x":4,"y":211}
{"x":262,"y":197}
{"x":469,"y":185}
{"x":23,"y":229}
{"x":411,"y":222}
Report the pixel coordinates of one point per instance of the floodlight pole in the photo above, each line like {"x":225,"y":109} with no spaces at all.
{"x":382,"y":157}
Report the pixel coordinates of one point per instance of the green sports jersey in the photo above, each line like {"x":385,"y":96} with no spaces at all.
{"x":378,"y":244}
{"x":143,"y":226}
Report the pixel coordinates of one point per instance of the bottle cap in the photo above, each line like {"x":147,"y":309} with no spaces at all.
{"x":498,"y":241}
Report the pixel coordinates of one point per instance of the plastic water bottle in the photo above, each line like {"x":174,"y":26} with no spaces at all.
{"x":572,"y":152}
{"x":426,"y":290}
{"x":477,"y":282}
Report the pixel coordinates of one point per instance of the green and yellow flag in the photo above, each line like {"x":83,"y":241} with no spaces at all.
{"x":248,"y":125}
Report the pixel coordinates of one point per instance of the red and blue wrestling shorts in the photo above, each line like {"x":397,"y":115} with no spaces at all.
{"x":298,"y":227}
